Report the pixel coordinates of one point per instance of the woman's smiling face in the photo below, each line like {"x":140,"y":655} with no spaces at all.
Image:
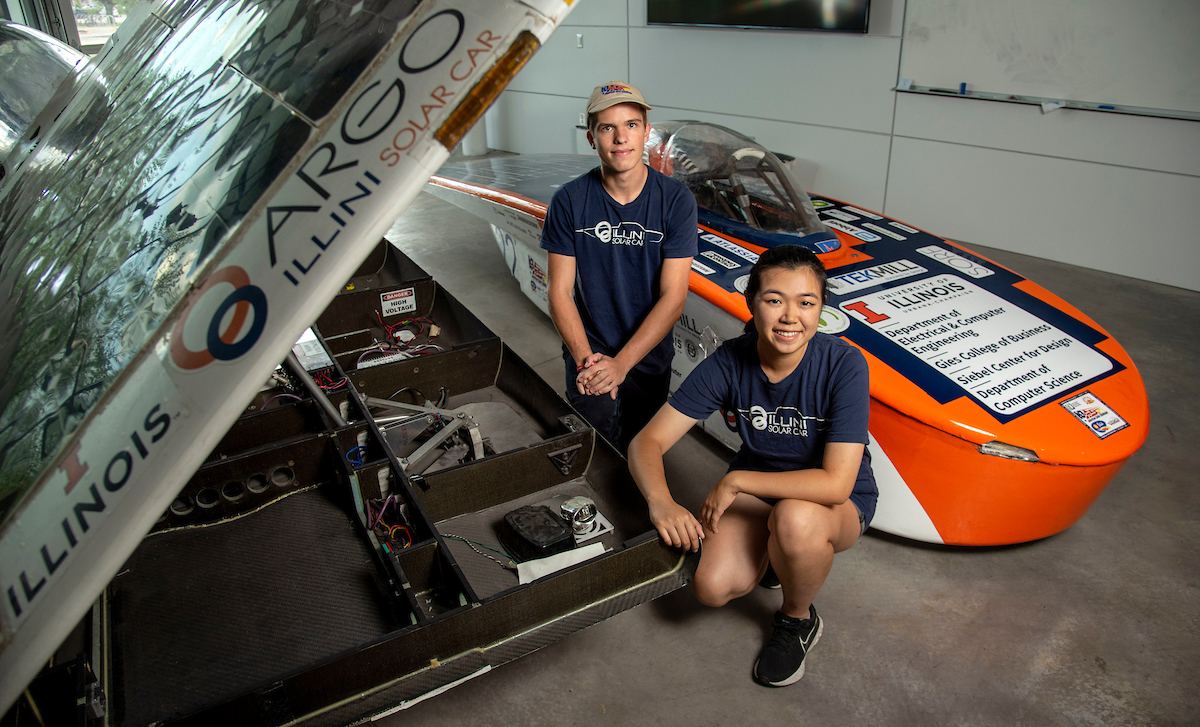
{"x":787,"y":310}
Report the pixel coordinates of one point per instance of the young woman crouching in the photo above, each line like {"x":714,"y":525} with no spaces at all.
{"x":800,"y":488}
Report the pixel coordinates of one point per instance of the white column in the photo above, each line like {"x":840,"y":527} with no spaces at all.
{"x":475,"y":143}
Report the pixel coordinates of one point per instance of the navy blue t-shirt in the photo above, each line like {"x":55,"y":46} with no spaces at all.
{"x":785,"y":426}
{"x":619,"y":252}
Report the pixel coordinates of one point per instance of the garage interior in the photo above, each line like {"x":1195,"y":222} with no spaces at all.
{"x":1093,"y":626}
{"x":1096,"y":625}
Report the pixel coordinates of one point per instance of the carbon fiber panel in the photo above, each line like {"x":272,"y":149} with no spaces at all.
{"x":199,"y":615}
{"x":459,"y":667}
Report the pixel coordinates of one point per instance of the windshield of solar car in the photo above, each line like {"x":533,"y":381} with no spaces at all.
{"x":733,"y":176}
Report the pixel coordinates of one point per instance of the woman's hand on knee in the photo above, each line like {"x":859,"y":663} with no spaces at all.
{"x":717,"y":502}
{"x":676,"y":526}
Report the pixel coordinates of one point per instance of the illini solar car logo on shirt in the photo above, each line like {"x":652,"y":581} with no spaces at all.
{"x":784,"y":420}
{"x":622,"y":233}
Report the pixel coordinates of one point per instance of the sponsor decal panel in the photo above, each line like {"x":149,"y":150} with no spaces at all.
{"x":820,"y":204}
{"x":902,"y":226}
{"x":1006,"y":358}
{"x":1097,"y":416}
{"x":884,"y":231}
{"x":398,"y":301}
{"x":852,"y":230}
{"x":847,"y":283}
{"x":956,"y":261}
{"x":702,"y":268}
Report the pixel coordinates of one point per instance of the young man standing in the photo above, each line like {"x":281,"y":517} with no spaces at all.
{"x":621,"y":240}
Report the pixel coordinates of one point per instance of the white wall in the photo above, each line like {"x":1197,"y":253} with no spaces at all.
{"x":1113,"y":192}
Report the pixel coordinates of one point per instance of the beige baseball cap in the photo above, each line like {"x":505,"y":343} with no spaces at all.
{"x":613,"y":93}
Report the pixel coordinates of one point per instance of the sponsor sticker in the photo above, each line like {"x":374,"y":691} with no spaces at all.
{"x":852,"y":230}
{"x":901,"y":226}
{"x":847,"y":283}
{"x":740,"y":284}
{"x":719,"y":259}
{"x":820,"y":204}
{"x":1097,"y":416}
{"x":840,"y":214}
{"x":1005,"y":357}
{"x":702,"y":268}
{"x":864,"y":213}
{"x":520,"y":223}
{"x":728,"y":246}
{"x":884,"y":231}
{"x":956,"y":261}
{"x":539,"y":283}
{"x":832,"y":320}
{"x":398,"y":301}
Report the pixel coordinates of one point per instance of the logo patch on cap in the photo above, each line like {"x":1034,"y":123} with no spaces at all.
{"x":615,"y":88}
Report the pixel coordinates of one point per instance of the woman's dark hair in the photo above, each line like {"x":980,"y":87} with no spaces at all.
{"x":792,"y":257}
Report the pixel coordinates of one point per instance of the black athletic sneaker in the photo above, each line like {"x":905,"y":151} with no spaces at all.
{"x":770,"y":580}
{"x":781,"y":661}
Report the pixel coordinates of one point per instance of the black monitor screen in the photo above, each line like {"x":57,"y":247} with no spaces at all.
{"x":837,"y":15}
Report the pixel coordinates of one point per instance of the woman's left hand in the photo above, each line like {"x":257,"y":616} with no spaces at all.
{"x":717,"y":502}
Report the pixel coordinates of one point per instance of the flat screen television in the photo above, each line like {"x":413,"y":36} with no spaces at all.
{"x":847,"y":16}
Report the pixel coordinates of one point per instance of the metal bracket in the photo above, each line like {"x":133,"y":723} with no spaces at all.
{"x":400,"y":432}
{"x":94,"y":701}
{"x":402,"y":429}
{"x":564,"y":459}
{"x":428,"y":453}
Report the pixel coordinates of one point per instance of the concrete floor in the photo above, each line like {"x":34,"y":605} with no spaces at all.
{"x":1094,"y":626}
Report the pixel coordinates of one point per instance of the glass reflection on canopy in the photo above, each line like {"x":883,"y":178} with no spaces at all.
{"x":736,"y":180}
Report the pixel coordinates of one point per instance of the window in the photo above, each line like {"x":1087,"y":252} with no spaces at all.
{"x":84,"y":24}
